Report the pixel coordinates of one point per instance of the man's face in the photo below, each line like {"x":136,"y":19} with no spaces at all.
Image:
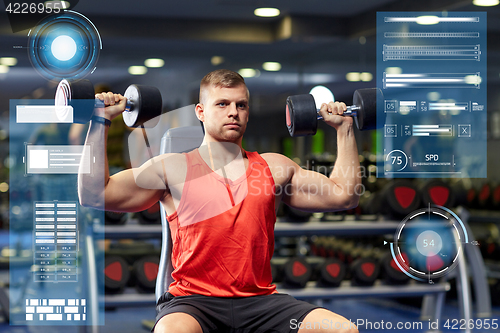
{"x":225,"y":112}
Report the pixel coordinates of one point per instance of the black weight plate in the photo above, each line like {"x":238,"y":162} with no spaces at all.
{"x":365,"y":271}
{"x":495,"y":197}
{"x":296,"y":215}
{"x":150,"y":215}
{"x":116,"y":274}
{"x":146,"y":271}
{"x":331,"y":272}
{"x":296,"y":272}
{"x":401,"y":197}
{"x":146,"y":106}
{"x":437,"y":192}
{"x":484,"y":196}
{"x":463,"y":193}
{"x":367,"y":100}
{"x":276,"y":272}
{"x":116,"y":218}
{"x":392,"y":273}
{"x":301,"y":115}
{"x":80,"y":95}
{"x":371,"y":204}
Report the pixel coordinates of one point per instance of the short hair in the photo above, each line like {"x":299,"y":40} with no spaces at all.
{"x":223,"y":78}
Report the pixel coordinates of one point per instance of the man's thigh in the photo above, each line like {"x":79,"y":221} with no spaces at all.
{"x":274,"y":313}
{"x":178,"y":322}
{"x":200,"y":312}
{"x":271,"y":313}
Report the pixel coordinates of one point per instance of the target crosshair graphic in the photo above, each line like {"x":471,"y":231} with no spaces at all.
{"x":428,"y":243}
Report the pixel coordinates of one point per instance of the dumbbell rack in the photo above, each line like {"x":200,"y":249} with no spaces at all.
{"x":346,"y":228}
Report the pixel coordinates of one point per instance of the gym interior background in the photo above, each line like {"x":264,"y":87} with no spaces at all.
{"x":315,"y":42}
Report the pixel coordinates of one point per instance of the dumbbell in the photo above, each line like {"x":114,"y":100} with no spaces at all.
{"x":145,"y":272}
{"x":150,"y":215}
{"x":337,"y":248}
{"x":330,"y":272}
{"x":296,"y":215}
{"x":391,"y":273}
{"x":116,"y":274}
{"x":115,"y":218}
{"x":465,"y":194}
{"x":370,"y":204}
{"x":365,"y":270}
{"x":437,"y":192}
{"x":302,"y":116}
{"x":144,"y":103}
{"x":318,"y":246}
{"x":400,"y":198}
{"x":488,"y":236}
{"x":296,"y":272}
{"x":483,"y":196}
{"x":495,"y":197}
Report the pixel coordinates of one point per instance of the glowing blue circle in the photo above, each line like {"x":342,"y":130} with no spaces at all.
{"x":432,"y":239}
{"x":63,"y":48}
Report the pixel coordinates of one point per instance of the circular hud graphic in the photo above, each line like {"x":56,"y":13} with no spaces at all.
{"x":428,"y":242}
{"x":64,"y":46}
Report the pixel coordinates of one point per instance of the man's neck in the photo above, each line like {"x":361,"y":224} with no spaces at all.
{"x":219,"y":154}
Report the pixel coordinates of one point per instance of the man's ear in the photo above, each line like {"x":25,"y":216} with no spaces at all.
{"x":200,"y":112}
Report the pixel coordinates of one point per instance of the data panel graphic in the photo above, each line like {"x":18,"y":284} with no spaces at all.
{"x":54,"y":268}
{"x":431,"y":68}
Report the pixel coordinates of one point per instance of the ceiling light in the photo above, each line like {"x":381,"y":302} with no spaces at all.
{"x":321,"y":95}
{"x":249,"y":72}
{"x":393,"y":70}
{"x":8,"y":61}
{"x":137,"y":70}
{"x":472,"y":79}
{"x":433,"y":96}
{"x":485,"y":3}
{"x":63,"y":48}
{"x":154,"y":63}
{"x":427,"y":20}
{"x":217,"y":60}
{"x":266,"y":12}
{"x":352,"y":76}
{"x":4,"y":69}
{"x":366,"y":77}
{"x":271,"y":66}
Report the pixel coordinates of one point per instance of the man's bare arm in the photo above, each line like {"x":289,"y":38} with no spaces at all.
{"x":312,"y":191}
{"x":119,"y":192}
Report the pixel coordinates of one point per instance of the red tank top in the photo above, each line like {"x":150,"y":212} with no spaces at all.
{"x":223,"y":231}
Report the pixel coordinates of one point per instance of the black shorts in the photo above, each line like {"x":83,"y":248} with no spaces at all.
{"x":268,"y":313}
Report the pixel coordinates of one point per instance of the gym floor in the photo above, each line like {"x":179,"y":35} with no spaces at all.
{"x":372,"y":311}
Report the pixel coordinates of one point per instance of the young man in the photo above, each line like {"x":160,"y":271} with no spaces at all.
{"x":221,"y":206}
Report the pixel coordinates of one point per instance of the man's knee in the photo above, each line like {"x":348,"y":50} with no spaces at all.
{"x":343,"y":325}
{"x":352,"y":328}
{"x":178,"y":322}
{"x":322,"y":320}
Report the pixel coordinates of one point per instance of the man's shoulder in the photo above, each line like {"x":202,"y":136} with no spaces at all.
{"x":171,"y":157}
{"x":275,"y":159}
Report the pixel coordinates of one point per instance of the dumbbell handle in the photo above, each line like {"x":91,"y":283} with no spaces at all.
{"x":129,"y":106}
{"x":352,"y":111}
